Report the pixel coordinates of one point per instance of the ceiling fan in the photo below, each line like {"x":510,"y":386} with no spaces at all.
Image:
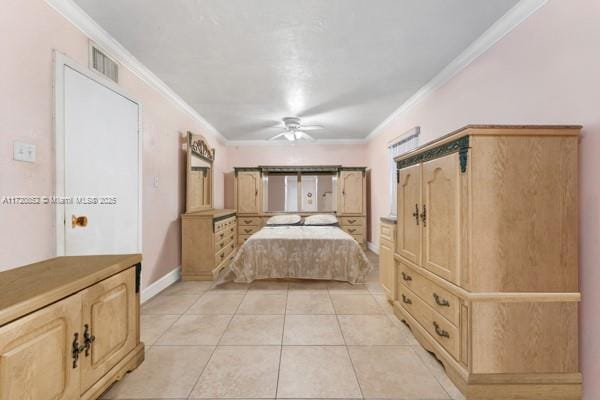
{"x":294,"y":130}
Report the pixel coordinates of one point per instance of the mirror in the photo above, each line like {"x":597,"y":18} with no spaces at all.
{"x":299,"y":193}
{"x":200,"y":159}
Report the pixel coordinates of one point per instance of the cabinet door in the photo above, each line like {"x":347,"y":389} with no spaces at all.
{"x":441,"y":204}
{"x":386,"y":268}
{"x":248,"y":192}
{"x":109,"y":308}
{"x":35,"y":354}
{"x":352,"y":193}
{"x":408,"y":234}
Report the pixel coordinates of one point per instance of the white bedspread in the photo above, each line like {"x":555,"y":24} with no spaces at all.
{"x":305,"y":252}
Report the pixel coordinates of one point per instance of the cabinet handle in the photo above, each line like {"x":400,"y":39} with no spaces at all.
{"x":440,"y":332}
{"x":247,"y":221}
{"x":351,"y":230}
{"x":440,"y":302}
{"x":424,"y":215}
{"x":351,"y":221}
{"x":406,"y":300}
{"x":416,"y":213}
{"x":88,"y":339}
{"x":76,"y":349}
{"x":406,"y":277}
{"x":222,"y":256}
{"x":247,"y":230}
{"x":256,"y":192}
{"x":222,"y":235}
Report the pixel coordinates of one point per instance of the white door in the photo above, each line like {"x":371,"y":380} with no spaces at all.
{"x":100,"y":166}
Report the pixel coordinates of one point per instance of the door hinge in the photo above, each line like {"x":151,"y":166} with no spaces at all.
{"x":138,"y":277}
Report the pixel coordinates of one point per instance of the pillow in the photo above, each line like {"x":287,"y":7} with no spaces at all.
{"x":284,"y":219}
{"x":321,"y":219}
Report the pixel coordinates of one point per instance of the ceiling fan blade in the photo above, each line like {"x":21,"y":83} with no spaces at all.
{"x":278,"y":136}
{"x":311,"y":127}
{"x":278,"y":126}
{"x":304,"y":135}
{"x":289,"y":136}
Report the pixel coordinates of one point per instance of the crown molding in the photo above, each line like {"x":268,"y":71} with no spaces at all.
{"x":287,"y":143}
{"x":82,"y":21}
{"x":509,"y":21}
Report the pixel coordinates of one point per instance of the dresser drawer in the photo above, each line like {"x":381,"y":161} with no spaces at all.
{"x":353,"y":230}
{"x":441,"y":300}
{"x":250,"y":221}
{"x":225,"y":223}
{"x":221,"y":244}
{"x":352,"y":221}
{"x":223,"y":253}
{"x":386,"y":232}
{"x":359,"y":239}
{"x":438,"y":327}
{"x":248,"y":230}
{"x":242,"y":239}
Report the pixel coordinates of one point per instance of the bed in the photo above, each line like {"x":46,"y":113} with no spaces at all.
{"x":300,"y":252}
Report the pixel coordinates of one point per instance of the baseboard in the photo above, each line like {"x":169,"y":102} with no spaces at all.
{"x":373,"y":247}
{"x":161,"y":284}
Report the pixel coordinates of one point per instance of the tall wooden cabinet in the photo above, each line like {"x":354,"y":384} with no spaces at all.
{"x":248,"y":192}
{"x":69,"y":327}
{"x":486,"y":258}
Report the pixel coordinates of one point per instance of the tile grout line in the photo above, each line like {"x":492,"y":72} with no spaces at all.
{"x":189,"y":396}
{"x":281,"y":347}
{"x":347,"y":349}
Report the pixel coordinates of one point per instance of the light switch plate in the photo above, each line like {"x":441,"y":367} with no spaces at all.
{"x":24,"y":152}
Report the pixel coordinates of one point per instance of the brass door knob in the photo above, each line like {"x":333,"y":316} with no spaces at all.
{"x":79,"y":221}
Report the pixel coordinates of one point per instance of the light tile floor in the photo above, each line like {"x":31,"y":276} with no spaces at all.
{"x":292,"y":340}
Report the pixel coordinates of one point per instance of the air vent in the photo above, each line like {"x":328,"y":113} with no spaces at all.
{"x":103,"y":64}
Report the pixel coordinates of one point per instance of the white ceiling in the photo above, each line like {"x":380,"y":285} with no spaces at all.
{"x":343,"y":64}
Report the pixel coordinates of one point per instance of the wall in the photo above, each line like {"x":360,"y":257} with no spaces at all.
{"x":545,"y":71}
{"x":351,"y":155}
{"x":29,"y":31}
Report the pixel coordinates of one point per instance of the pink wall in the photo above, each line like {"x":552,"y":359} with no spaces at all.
{"x":354,"y":155}
{"x":29,"y":31}
{"x":545,"y":71}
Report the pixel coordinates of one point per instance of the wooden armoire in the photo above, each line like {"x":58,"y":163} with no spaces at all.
{"x":350,"y":206}
{"x":486,"y":258}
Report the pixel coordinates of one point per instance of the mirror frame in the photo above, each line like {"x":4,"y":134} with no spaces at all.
{"x":197,"y":147}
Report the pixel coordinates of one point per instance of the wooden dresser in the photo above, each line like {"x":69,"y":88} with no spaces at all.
{"x":69,"y":327}
{"x":387,"y":244}
{"x":207,"y":243}
{"x":487,"y":258}
{"x":350,"y":205}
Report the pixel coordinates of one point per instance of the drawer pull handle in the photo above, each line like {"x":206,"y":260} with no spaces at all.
{"x":440,"y":332}
{"x":416,"y":213}
{"x":424,"y":215}
{"x":222,"y":235}
{"x":406,"y":300}
{"x":222,"y":256}
{"x":76,"y":349}
{"x":247,"y":221}
{"x":88,"y":339}
{"x":247,"y":230}
{"x":441,"y":302}
{"x":351,"y":230}
{"x":406,"y":277}
{"x":351,"y":221}
{"x":222,"y":244}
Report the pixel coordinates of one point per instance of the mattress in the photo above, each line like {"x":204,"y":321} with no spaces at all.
{"x":300,"y":252}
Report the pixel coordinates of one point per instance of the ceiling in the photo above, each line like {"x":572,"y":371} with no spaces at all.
{"x":343,"y":64}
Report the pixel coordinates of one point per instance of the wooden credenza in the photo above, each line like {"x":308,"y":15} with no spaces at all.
{"x":69,"y":327}
{"x":487,"y":258}
{"x":208,"y":243}
{"x":351,"y":195}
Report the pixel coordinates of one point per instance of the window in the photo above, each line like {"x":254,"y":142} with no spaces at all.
{"x":403,"y":144}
